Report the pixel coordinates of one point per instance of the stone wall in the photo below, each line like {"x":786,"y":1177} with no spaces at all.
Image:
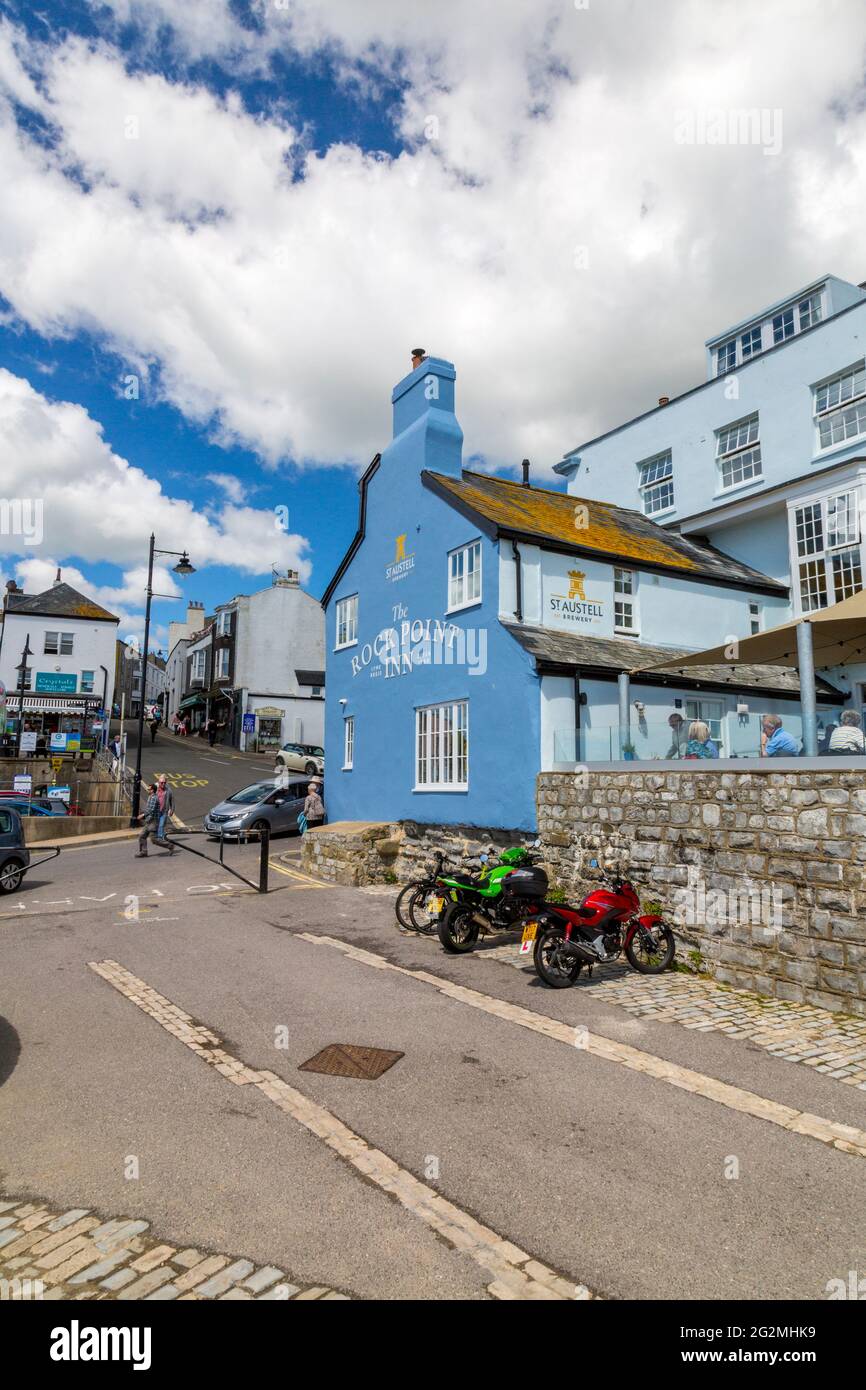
{"x":360,"y":852}
{"x":763,"y":872}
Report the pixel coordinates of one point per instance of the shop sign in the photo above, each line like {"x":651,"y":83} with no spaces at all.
{"x":59,"y":794}
{"x":575,"y":607}
{"x":402,"y":563}
{"x":28,"y":742}
{"x":249,"y":723}
{"x":22,"y":783}
{"x":55,"y":682}
{"x":58,"y":743}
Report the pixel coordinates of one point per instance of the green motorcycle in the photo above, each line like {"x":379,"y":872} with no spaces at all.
{"x":485,"y":903}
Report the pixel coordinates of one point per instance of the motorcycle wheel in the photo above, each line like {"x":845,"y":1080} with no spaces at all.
{"x":423,"y":921}
{"x":401,"y":906}
{"x":458,"y":932}
{"x":556,"y":974}
{"x":647,"y":961}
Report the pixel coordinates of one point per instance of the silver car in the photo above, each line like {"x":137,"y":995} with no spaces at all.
{"x":277,"y":802}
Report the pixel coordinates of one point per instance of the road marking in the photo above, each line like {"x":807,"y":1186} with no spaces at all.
{"x":845,"y":1137}
{"x":517,"y":1275}
{"x":301,"y":878}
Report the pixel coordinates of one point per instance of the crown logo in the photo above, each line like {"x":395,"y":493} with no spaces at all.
{"x":576,"y":578}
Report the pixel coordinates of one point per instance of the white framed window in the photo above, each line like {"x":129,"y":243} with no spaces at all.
{"x":464,"y":576}
{"x":783,"y":325}
{"x":826,"y":541}
{"x":657,"y":484}
{"x":348,"y":742}
{"x":222,"y":669}
{"x":754,"y":617}
{"x":442,"y":747}
{"x":347,"y":621}
{"x":726,"y":357}
{"x":751,"y":343}
{"x":711,"y":713}
{"x":738,"y":453}
{"x":58,"y":643}
{"x":86,"y":682}
{"x":624,"y":615}
{"x":224,"y":623}
{"x":809,"y":311}
{"x":840,"y":407}
{"x":198,"y":665}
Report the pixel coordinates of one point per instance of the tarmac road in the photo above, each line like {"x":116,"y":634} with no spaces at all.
{"x":200,"y":776}
{"x":614,"y":1177}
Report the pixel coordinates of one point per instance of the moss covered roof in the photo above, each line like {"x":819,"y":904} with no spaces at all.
{"x":590,"y":527}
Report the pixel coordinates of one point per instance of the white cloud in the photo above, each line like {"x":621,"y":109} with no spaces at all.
{"x":234,"y":489}
{"x":278,"y":313}
{"x":97,"y":506}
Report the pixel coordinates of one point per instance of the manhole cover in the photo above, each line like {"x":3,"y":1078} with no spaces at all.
{"x":349,"y":1059}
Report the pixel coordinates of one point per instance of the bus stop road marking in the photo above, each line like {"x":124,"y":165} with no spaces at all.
{"x":516,"y":1274}
{"x":847,"y":1138}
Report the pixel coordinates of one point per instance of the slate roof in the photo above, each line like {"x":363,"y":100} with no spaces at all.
{"x":550,"y":648}
{"x":310,"y":677}
{"x":599,"y":529}
{"x":60,"y":601}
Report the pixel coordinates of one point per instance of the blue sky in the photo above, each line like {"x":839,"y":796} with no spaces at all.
{"x":255,"y":208}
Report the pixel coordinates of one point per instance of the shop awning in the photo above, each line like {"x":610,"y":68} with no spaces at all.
{"x":190,"y":701}
{"x":53,"y":704}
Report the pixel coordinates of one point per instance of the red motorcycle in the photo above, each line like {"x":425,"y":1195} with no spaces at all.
{"x":608,"y":922}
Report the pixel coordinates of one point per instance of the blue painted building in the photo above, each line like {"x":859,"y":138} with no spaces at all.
{"x":476,"y":629}
{"x":766,"y":459}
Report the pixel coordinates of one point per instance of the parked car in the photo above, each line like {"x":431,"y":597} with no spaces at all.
{"x":14,"y":854}
{"x":263,"y":803}
{"x":38,"y":806}
{"x":49,"y":805}
{"x":301,"y":757}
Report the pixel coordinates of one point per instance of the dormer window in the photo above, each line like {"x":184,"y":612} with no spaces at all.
{"x":750,"y":343}
{"x":783,"y":325}
{"x":726,"y":357}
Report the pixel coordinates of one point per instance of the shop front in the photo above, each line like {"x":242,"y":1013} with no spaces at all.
{"x":268,"y":735}
{"x":53,"y":723}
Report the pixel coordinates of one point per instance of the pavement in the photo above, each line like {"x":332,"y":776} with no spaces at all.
{"x":527,"y":1143}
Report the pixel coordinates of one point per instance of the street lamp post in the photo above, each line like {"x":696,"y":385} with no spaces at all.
{"x":22,"y":680}
{"x":182,"y":567}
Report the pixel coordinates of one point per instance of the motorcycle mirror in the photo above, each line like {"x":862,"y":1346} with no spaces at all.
{"x":483,"y":858}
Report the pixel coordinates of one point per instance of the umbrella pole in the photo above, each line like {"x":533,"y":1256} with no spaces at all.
{"x":808,"y":704}
{"x":624,"y":731}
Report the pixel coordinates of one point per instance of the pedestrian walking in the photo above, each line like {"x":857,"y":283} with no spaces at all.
{"x":150,"y":821}
{"x":115,"y":752}
{"x":153,"y":724}
{"x":165,"y":807}
{"x":314,"y":808}
{"x":211,"y":730}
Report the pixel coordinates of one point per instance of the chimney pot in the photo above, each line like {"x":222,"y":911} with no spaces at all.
{"x":418,"y":356}
{"x":526,"y":482}
{"x":664,"y":400}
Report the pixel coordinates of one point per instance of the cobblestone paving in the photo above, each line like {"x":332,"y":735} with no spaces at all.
{"x":832,"y":1043}
{"x":50,"y":1254}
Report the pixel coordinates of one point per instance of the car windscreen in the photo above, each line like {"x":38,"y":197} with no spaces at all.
{"x":250,"y":795}
{"x":313,"y":749}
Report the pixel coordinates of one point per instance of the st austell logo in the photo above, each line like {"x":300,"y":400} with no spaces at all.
{"x":576,"y":607}
{"x":402,"y":563}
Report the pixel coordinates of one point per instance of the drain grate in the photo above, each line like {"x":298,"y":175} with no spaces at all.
{"x":350,"y":1059}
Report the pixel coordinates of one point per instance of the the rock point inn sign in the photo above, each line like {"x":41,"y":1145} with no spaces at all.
{"x":398,"y":650}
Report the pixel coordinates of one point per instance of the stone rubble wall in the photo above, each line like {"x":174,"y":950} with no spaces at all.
{"x":357,"y":853}
{"x":763,"y":873}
